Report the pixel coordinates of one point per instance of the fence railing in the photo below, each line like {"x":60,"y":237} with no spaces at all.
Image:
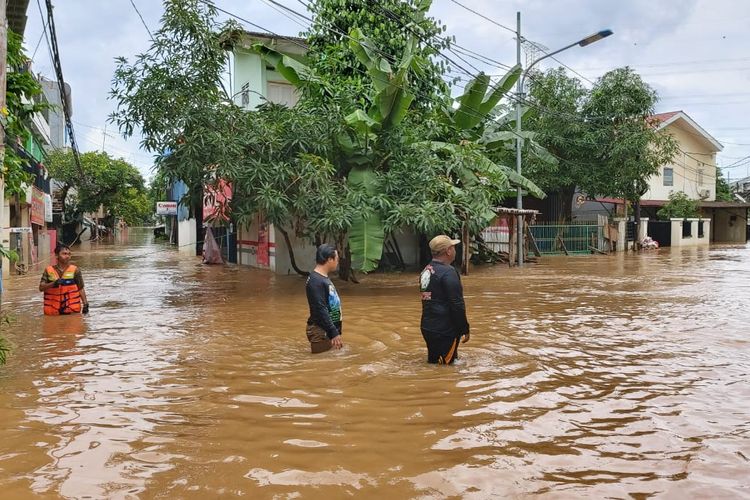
{"x":575,"y":238}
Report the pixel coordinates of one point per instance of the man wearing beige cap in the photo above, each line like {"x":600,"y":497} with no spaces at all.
{"x":443,"y":309}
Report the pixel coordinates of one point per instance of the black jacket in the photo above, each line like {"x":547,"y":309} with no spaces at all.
{"x":443,"y":308}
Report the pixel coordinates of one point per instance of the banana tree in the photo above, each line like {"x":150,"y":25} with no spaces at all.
{"x":473,"y":120}
{"x":362,"y":154}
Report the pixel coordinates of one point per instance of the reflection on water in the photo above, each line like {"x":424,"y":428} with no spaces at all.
{"x":601,"y":376}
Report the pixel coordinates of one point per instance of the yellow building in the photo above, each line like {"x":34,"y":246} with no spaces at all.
{"x":693,"y":172}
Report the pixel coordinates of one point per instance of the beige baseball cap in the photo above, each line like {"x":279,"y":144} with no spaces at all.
{"x":441,"y":243}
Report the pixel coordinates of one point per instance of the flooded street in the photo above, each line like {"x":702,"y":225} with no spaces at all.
{"x":591,"y":376}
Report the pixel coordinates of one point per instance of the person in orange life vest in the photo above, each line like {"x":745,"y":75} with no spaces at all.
{"x":62,"y":285}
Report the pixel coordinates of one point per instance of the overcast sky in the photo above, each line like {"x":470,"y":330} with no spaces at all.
{"x":693,"y":52}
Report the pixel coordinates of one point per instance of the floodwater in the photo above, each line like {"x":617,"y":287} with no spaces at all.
{"x":584,"y":377}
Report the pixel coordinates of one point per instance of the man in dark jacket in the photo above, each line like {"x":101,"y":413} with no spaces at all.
{"x":324,"y":323}
{"x":443,"y":310}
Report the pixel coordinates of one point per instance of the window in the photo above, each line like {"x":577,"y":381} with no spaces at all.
{"x":282,"y":93}
{"x":700,"y":176}
{"x":668,"y":176}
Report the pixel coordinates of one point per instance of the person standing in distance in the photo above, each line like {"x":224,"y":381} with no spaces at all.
{"x":324,"y":323}
{"x":443,"y":309}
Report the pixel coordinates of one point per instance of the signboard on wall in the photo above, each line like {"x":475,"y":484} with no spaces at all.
{"x":166,"y":208}
{"x":37,"y":207}
{"x":47,"y":208}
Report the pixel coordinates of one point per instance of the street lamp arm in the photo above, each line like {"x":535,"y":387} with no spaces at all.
{"x":581,"y":43}
{"x":546,"y":56}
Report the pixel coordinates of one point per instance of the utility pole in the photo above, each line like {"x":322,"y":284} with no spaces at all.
{"x":3,"y":79}
{"x":519,"y":145}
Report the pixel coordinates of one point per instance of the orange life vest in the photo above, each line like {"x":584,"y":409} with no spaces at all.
{"x":64,"y":298}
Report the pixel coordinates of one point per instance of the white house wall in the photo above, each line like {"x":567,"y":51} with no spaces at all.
{"x":256,"y":245}
{"x":692,"y":157}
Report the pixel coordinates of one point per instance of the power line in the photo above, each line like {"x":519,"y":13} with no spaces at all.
{"x":389,"y":14}
{"x":385,"y":55}
{"x":38,"y":44}
{"x":141,"y":17}
{"x":484,"y":17}
{"x":61,"y":84}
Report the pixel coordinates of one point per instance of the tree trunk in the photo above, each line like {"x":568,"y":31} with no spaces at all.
{"x":346,"y":272}
{"x":291,"y":252}
{"x":565,"y":203}
{"x":63,"y":196}
{"x":637,"y":215}
{"x":199,"y":232}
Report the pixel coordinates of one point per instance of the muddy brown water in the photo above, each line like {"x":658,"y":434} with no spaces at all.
{"x":585,"y":377}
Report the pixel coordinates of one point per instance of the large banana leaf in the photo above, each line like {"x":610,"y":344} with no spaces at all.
{"x":392,"y":100}
{"x":365,"y":51}
{"x":367,"y":233}
{"x":366,"y":238}
{"x":292,"y":67}
{"x":476,"y":103}
{"x":514,"y":178}
{"x":467,"y":116}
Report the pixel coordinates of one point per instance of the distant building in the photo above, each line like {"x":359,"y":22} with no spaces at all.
{"x":692,"y":171}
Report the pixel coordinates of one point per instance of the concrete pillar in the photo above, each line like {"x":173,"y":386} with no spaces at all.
{"x":693,"y":230}
{"x":621,"y":228}
{"x":676,"y":232}
{"x":706,"y":232}
{"x":642,"y":229}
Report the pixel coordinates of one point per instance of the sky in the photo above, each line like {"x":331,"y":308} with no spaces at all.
{"x":693,"y":52}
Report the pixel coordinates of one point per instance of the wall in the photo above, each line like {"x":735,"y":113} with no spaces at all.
{"x":685,"y":167}
{"x":249,"y":68}
{"x":4,"y":224}
{"x":693,"y":239}
{"x":304,"y":253}
{"x":256,"y":244}
{"x":408,"y":243}
{"x":729,"y":230}
{"x":187,"y":236}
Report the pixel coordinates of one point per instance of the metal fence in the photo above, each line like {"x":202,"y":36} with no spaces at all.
{"x":572,"y":238}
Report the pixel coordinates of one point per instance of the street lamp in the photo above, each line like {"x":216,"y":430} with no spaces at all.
{"x":519,"y":89}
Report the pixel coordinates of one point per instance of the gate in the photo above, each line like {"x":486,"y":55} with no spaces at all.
{"x":555,"y":239}
{"x":661,"y":232}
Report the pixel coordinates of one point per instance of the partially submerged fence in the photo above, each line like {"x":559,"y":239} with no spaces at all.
{"x":574,"y":238}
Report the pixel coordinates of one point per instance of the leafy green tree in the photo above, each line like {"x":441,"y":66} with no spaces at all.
{"x":723,"y":191}
{"x":391,"y":26}
{"x":561,"y":129}
{"x":109,"y":182}
{"x":174,"y":94}
{"x":625,"y":145}
{"x":679,"y":206}
{"x":341,"y":164}
{"x":377,"y":138}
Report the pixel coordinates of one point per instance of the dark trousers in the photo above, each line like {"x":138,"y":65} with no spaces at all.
{"x":442,"y":350}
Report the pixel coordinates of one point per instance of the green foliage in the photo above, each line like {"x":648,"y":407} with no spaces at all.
{"x":723,"y":191}
{"x":22,"y":92}
{"x":560,"y":127}
{"x":679,"y":207}
{"x":626,"y":146}
{"x":479,"y":100}
{"x":173,"y":93}
{"x":353,"y":158}
{"x":391,"y":25}
{"x":111,"y":182}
